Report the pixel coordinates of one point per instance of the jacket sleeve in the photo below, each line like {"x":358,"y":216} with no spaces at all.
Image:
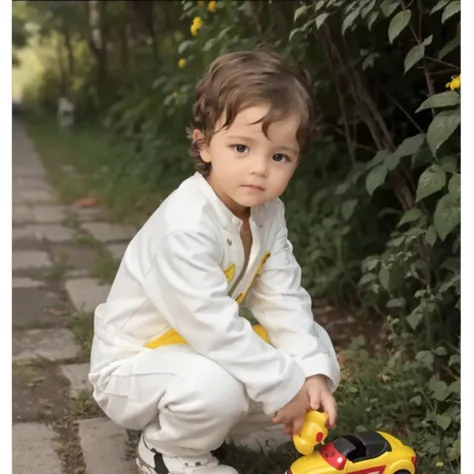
{"x":278,"y":302}
{"x":186,"y":284}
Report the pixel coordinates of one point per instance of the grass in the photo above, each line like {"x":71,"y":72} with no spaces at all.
{"x":105,"y":268}
{"x":82,"y":325}
{"x":84,"y":406}
{"x":90,"y":151}
{"x":58,"y":270}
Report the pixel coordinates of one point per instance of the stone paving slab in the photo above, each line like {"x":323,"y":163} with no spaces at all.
{"x":266,"y":440}
{"x":106,"y":232}
{"x":51,"y":232}
{"x":25,"y":259}
{"x":33,"y":449}
{"x":76,"y":257}
{"x":52,"y":344}
{"x":86,"y":293}
{"x":36,"y":195}
{"x":117,"y":250}
{"x":87,"y":214}
{"x":36,"y":306}
{"x":21,"y":214}
{"x":49,"y":214}
{"x":26,"y":283}
{"x":104,"y":445}
{"x":77,"y":374}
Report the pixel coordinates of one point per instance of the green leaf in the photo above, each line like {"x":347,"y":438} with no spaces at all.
{"x":444,"y":99}
{"x":454,"y":186}
{"x":384,"y":277}
{"x":449,"y":163}
{"x":376,"y":178}
{"x":349,"y":20}
{"x":416,"y":400}
{"x":320,"y":19}
{"x":425,"y":357}
{"x":320,"y":5}
{"x":443,"y":421}
{"x":442,"y":127}
{"x":447,"y":216}
{"x":347,"y":208}
{"x":439,"y":389}
{"x":299,"y":12}
{"x":415,"y":55}
{"x":431,"y":235}
{"x":367,"y":9}
{"x":450,"y":46}
{"x":185,"y":45}
{"x":440,"y":351}
{"x":293,"y":33}
{"x":377,"y":159}
{"x":440,"y":5}
{"x":371,"y":19}
{"x":396,"y":303}
{"x":392,"y":161}
{"x":398,"y":24}
{"x":367,"y":278}
{"x":414,"y":319}
{"x":389,"y":6}
{"x":410,"y":145}
{"x":342,"y":188}
{"x":451,"y":9}
{"x":454,"y":359}
{"x":410,"y":216}
{"x":431,"y":180}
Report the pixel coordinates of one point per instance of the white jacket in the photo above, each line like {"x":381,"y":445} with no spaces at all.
{"x":178,"y":271}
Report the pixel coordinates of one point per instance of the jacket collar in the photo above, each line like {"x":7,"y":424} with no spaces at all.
{"x":225,"y":216}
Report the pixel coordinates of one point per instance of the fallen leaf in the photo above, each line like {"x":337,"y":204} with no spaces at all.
{"x":85,"y":202}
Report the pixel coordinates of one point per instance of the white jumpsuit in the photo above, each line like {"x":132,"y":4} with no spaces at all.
{"x":183,"y":270}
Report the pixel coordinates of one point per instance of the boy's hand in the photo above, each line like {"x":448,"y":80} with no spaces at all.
{"x":293,"y":413}
{"x":314,"y":395}
{"x":320,"y":398}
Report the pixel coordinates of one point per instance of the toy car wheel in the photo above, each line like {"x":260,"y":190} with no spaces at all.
{"x":402,"y":472}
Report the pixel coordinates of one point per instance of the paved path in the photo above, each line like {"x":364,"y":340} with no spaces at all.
{"x":57,"y":427}
{"x":59,"y":255}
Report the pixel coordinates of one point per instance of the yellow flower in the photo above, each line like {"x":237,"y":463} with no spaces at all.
{"x":198,"y":21}
{"x":197,"y":24}
{"x":175,"y":94}
{"x":455,"y":83}
{"x":182,"y":63}
{"x":212,"y":6}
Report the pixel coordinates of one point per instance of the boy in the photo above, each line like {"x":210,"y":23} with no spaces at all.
{"x":171,"y":356}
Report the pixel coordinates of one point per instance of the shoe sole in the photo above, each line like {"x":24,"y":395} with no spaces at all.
{"x":142,"y":468}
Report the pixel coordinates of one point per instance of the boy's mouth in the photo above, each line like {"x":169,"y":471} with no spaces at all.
{"x":253,"y":187}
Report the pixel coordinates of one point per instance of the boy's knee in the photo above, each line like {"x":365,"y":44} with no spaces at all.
{"x":217,"y":393}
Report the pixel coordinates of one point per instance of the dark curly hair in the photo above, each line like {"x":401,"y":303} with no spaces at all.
{"x":237,"y":80}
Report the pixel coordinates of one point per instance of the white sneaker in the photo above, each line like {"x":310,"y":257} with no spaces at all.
{"x":150,"y":461}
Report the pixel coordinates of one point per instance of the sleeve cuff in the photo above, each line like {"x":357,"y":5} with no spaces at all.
{"x":286,"y":391}
{"x":322,"y":364}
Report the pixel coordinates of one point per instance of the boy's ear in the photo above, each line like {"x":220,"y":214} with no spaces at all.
{"x":200,"y":140}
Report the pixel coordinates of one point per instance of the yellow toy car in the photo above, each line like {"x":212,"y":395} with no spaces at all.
{"x":371,"y":452}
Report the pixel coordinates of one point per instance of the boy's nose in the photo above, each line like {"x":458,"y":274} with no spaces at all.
{"x":260,"y":166}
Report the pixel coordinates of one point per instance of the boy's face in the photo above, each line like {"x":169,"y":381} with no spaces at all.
{"x":249,"y":169}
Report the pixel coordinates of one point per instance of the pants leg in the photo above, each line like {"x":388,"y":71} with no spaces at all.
{"x":185,"y":403}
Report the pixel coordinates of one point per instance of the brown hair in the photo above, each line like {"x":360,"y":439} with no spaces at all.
{"x":235,"y":81}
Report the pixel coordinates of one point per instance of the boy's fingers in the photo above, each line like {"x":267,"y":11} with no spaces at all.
{"x":315,"y":401}
{"x":329,"y":405}
{"x":298,"y":424}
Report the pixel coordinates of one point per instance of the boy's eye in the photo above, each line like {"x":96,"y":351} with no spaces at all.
{"x":279,"y":157}
{"x":240,"y":148}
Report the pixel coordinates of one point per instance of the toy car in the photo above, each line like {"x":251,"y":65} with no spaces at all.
{"x":371,"y":452}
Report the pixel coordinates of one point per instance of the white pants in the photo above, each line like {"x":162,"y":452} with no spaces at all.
{"x":185,"y":403}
